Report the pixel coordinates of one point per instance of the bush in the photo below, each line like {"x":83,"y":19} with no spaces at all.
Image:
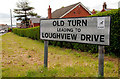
{"x":33,"y":33}
{"x":114,"y":47}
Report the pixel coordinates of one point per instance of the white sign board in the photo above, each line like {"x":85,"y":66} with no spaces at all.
{"x":93,"y":30}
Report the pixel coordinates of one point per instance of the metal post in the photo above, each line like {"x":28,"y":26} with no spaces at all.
{"x":45,"y":53}
{"x":11,"y":18}
{"x":101,"y":61}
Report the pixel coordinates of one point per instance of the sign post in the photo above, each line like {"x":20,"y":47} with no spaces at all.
{"x":45,"y":53}
{"x":101,"y":52}
{"x":91,"y":30}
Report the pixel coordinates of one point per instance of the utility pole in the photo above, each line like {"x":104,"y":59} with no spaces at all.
{"x":118,"y":4}
{"x":11,"y":18}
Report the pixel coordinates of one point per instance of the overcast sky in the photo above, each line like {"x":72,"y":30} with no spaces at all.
{"x":41,"y":6}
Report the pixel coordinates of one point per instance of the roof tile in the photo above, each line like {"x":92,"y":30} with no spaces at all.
{"x":59,"y":12}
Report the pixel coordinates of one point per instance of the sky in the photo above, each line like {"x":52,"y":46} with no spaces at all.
{"x":41,"y":7}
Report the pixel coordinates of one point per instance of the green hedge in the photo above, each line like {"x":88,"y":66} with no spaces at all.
{"x":114,"y":47}
{"x":33,"y":33}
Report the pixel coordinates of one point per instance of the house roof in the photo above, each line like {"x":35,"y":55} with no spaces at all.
{"x":106,"y":9}
{"x":35,"y":20}
{"x":3,"y":24}
{"x":59,"y":13}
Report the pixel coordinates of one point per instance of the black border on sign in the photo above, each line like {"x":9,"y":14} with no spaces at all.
{"x":78,"y":42}
{"x":110,"y":31}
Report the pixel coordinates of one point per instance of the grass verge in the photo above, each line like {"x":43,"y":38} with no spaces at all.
{"x":23,"y":57}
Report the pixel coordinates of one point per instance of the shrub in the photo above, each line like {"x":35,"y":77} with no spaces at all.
{"x":33,"y":33}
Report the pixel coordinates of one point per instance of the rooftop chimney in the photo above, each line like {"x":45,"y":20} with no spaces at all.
{"x":93,"y":12}
{"x":49,"y":13}
{"x":104,"y":5}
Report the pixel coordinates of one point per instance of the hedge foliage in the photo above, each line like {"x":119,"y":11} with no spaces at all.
{"x":114,"y":47}
{"x":33,"y":33}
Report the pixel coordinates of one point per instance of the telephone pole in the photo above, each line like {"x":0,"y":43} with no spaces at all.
{"x":11,"y":18}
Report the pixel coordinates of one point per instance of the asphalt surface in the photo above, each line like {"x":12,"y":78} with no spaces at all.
{"x":2,"y":33}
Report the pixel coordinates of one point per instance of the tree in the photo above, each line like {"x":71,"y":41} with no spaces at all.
{"x":24,"y":11}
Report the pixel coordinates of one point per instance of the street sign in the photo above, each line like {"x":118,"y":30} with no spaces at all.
{"x":93,"y":30}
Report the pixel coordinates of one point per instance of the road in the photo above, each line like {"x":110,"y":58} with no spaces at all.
{"x":2,"y":33}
